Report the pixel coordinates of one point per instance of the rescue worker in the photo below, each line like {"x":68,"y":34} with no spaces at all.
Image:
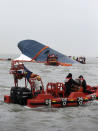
{"x":83,"y":84}
{"x":38,"y":84}
{"x":77,"y":59}
{"x":84,"y":60}
{"x":34,"y":80}
{"x":69,"y":84}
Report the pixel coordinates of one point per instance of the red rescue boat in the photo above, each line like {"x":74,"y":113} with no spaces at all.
{"x":53,"y":96}
{"x":52,"y":59}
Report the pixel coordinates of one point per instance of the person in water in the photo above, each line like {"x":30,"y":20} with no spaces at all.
{"x":84,"y":85}
{"x":69,"y":84}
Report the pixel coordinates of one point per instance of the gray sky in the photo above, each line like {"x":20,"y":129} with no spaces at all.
{"x":69,"y":26}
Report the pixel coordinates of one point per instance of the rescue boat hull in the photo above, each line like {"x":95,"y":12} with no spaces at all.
{"x":75,"y":99}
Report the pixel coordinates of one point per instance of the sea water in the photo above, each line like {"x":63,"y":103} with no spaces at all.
{"x":14,"y":117}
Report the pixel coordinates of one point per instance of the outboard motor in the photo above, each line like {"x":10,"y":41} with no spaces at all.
{"x":19,"y":95}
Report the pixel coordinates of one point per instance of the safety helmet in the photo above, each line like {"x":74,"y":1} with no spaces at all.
{"x":69,"y":75}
